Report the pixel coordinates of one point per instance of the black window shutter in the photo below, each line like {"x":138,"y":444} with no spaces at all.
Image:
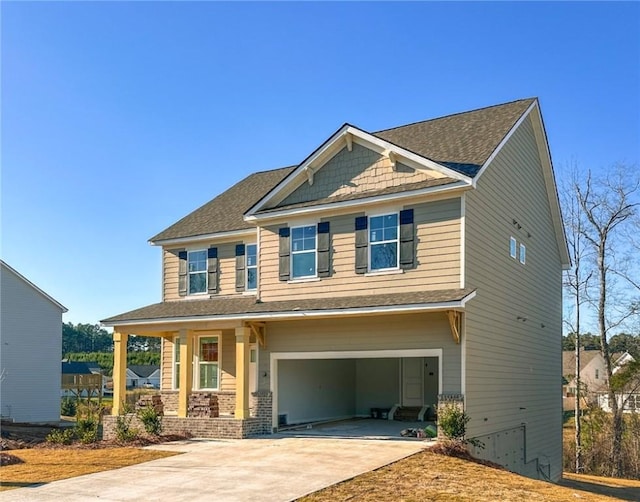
{"x":407,"y":248}
{"x":212,"y":270}
{"x":240,"y":264}
{"x":284,"y":254}
{"x":182,"y":273}
{"x":324,"y":249}
{"x":362,"y":242}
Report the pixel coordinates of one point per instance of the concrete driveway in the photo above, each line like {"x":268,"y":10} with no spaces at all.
{"x":277,"y":468}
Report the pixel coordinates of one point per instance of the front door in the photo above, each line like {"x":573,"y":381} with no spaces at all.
{"x":412,"y":381}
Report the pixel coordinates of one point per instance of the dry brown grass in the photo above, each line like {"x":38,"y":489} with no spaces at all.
{"x":429,"y":477}
{"x":46,"y":465}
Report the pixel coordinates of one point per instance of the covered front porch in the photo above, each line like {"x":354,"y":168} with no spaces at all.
{"x":234,"y":367}
{"x":203,"y":398}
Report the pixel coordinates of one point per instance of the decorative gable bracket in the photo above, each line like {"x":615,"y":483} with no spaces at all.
{"x":259,"y":330}
{"x":310,"y":172}
{"x":455,"y":322}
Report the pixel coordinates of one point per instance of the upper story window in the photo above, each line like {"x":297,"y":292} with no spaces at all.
{"x":383,"y":242}
{"x":252,"y":266}
{"x":198,"y":271}
{"x":523,"y":254}
{"x":513,"y":247}
{"x":597,"y":374}
{"x":197,"y":267}
{"x":303,"y":251}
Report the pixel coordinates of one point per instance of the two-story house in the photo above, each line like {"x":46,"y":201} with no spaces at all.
{"x":411,"y":267}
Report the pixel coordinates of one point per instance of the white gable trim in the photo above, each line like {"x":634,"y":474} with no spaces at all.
{"x":33,"y":286}
{"x":346,"y":136}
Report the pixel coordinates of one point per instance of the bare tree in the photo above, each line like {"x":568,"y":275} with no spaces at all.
{"x":576,"y":280}
{"x":608,"y":203}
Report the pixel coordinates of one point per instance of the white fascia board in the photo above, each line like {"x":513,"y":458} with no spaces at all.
{"x":503,"y":142}
{"x":302,"y":314}
{"x":33,"y":286}
{"x":206,"y":237}
{"x":459,"y":185}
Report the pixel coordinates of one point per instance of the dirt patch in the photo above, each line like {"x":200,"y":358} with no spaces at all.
{"x":16,"y":436}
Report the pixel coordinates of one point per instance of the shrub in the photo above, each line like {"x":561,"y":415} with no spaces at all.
{"x":61,"y":436}
{"x":151,"y":420}
{"x":88,"y":422}
{"x":124,"y":431}
{"x":453,"y":422}
{"x":68,"y":406}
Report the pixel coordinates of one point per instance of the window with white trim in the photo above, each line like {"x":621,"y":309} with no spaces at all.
{"x":383,"y":242}
{"x":197,"y":271}
{"x":251,"y":257}
{"x":523,"y":254}
{"x":303,"y":252}
{"x":513,"y":247}
{"x":207,"y":362}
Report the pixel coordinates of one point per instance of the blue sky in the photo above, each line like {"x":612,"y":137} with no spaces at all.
{"x":120,"y":118}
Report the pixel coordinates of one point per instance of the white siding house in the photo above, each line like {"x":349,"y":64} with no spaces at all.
{"x":30,"y":347}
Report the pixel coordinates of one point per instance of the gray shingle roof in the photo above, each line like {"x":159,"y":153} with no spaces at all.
{"x":224,"y":213}
{"x":75,"y":368}
{"x":143,"y":370}
{"x":229,"y":306}
{"x":462,"y":142}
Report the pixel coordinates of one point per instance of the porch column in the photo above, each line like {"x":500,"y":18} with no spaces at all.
{"x":119,"y":372}
{"x":186,"y":371}
{"x":242,"y":372}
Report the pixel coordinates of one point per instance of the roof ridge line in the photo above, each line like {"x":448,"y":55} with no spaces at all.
{"x":453,"y":115}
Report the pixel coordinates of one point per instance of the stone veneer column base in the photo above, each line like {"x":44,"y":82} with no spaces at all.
{"x":213,"y":428}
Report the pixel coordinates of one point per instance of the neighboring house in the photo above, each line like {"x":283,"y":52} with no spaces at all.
{"x":143,"y":375}
{"x":593,"y":376}
{"x":78,"y":380}
{"x":31,"y":343}
{"x":410,"y":267}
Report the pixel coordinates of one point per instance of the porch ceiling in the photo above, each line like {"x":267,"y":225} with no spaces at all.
{"x":248,"y":308}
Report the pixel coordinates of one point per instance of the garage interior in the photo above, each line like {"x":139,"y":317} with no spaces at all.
{"x":314,"y":391}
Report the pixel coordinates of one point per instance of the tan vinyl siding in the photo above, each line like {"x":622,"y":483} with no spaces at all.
{"x":170,"y":274}
{"x":228,"y":361}
{"x":226,"y":270}
{"x":385,"y":332}
{"x":437,"y":258}
{"x":356,"y":171}
{"x":513,"y":365}
{"x":166,"y":363}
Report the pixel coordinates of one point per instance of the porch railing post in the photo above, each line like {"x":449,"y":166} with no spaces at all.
{"x":186,"y":371}
{"x":243,"y":335}
{"x":119,"y":372}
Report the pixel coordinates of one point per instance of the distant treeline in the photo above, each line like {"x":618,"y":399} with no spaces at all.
{"x":105,"y":359}
{"x":93,"y":338}
{"x":622,"y":342}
